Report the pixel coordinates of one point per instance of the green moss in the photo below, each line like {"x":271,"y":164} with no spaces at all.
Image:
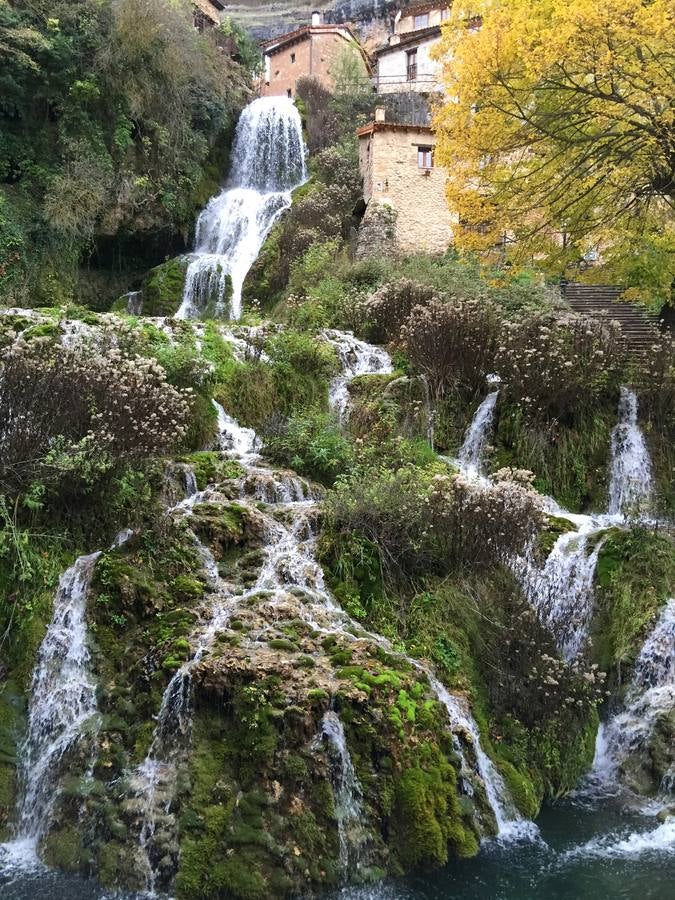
{"x":635,"y":575}
{"x":427,"y":818}
{"x":316,"y":694}
{"x":63,"y":849}
{"x":522,"y":790}
{"x":283,"y":644}
{"x":555,"y":526}
{"x":163,"y":288}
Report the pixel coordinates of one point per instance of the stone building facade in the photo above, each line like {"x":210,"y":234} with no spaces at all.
{"x":398,"y":169}
{"x":405,"y":62}
{"x":312,"y":50}
{"x":207,"y":13}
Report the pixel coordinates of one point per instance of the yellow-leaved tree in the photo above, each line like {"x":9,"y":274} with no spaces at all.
{"x":558,"y":133}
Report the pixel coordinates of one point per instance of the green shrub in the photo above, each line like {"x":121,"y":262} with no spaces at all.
{"x":312,"y":445}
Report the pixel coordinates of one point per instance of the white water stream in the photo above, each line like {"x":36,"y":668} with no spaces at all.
{"x":62,"y":710}
{"x":651,"y":694}
{"x":470,"y":455}
{"x":347,"y":792}
{"x":357,"y":358}
{"x":63,"y":702}
{"x":630,"y":486}
{"x":268,"y":162}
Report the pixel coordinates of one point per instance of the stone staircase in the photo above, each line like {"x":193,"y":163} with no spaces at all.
{"x":638,"y":327}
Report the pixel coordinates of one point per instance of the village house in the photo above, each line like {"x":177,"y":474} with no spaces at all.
{"x":312,"y":50}
{"x":405,"y":62}
{"x":206,"y":13}
{"x":403,"y":189}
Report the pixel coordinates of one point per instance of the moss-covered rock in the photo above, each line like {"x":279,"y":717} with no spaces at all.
{"x":635,"y":575}
{"x":163,"y":288}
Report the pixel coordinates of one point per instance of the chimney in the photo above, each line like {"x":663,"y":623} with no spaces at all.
{"x":380,"y":113}
{"x":316,"y":17}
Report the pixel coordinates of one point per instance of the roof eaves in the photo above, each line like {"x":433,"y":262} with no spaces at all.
{"x":410,"y":37}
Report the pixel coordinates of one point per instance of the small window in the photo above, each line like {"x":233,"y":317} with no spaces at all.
{"x":445,"y":14}
{"x":411,"y":65}
{"x":292,"y":57}
{"x":289,"y":92}
{"x":422,"y":21}
{"x":425,"y":157}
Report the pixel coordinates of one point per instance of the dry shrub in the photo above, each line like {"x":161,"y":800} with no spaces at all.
{"x":77,"y":413}
{"x":560,"y":369}
{"x":390,"y":306}
{"x":452,"y":344}
{"x":423,"y":523}
{"x":654,"y":380}
{"x":321,"y":120}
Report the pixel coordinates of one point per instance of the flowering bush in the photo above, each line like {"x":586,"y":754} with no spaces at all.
{"x":78,"y":412}
{"x":423,"y":521}
{"x":558,"y":369}
{"x":526,"y":677}
{"x":390,"y":306}
{"x":452,"y":344}
{"x":654,"y":380}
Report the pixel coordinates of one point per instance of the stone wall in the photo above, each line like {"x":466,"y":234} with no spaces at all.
{"x":315,"y":55}
{"x":391,"y":176}
{"x":392,"y":66}
{"x":208,"y":10}
{"x":377,"y":233}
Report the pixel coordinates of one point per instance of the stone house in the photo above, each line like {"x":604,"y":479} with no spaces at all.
{"x":206,"y":13}
{"x":312,"y":50}
{"x":403,"y":190}
{"x":405,"y":62}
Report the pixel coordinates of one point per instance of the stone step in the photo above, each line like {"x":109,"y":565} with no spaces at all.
{"x":638,"y":327}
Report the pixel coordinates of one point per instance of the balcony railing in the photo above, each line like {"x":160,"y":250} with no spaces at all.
{"x":427,"y":81}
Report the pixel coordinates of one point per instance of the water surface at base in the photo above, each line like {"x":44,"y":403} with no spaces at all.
{"x":585,"y":854}
{"x":585,"y":857}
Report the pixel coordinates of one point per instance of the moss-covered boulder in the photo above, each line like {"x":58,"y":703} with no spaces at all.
{"x":163,"y":288}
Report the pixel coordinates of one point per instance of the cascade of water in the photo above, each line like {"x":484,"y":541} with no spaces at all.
{"x":63,"y":701}
{"x":631,"y":480}
{"x":268,"y":162}
{"x":347,"y":791}
{"x":357,"y":358}
{"x":562,"y":591}
{"x":651,"y":694}
{"x":134,"y":303}
{"x":510,"y":823}
{"x":242,"y":442}
{"x":470,"y":454}
{"x":289,"y":562}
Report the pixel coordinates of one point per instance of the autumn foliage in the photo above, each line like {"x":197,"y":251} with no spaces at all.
{"x":560,"y":136}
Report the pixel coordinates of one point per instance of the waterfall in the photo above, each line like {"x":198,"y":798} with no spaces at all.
{"x":242,"y":442}
{"x":631,"y":481}
{"x":562,"y":591}
{"x":134,"y":303}
{"x":510,"y":823}
{"x":357,"y":358}
{"x":651,"y":694}
{"x":470,"y":454}
{"x":347,"y":792}
{"x":289,"y":564}
{"x":62,"y":702}
{"x":268,"y":162}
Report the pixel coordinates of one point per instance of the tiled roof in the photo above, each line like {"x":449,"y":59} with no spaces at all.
{"x":303,"y":32}
{"x":410,"y":37}
{"x":391,"y":126}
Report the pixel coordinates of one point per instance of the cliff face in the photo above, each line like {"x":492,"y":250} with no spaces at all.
{"x":373,"y":18}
